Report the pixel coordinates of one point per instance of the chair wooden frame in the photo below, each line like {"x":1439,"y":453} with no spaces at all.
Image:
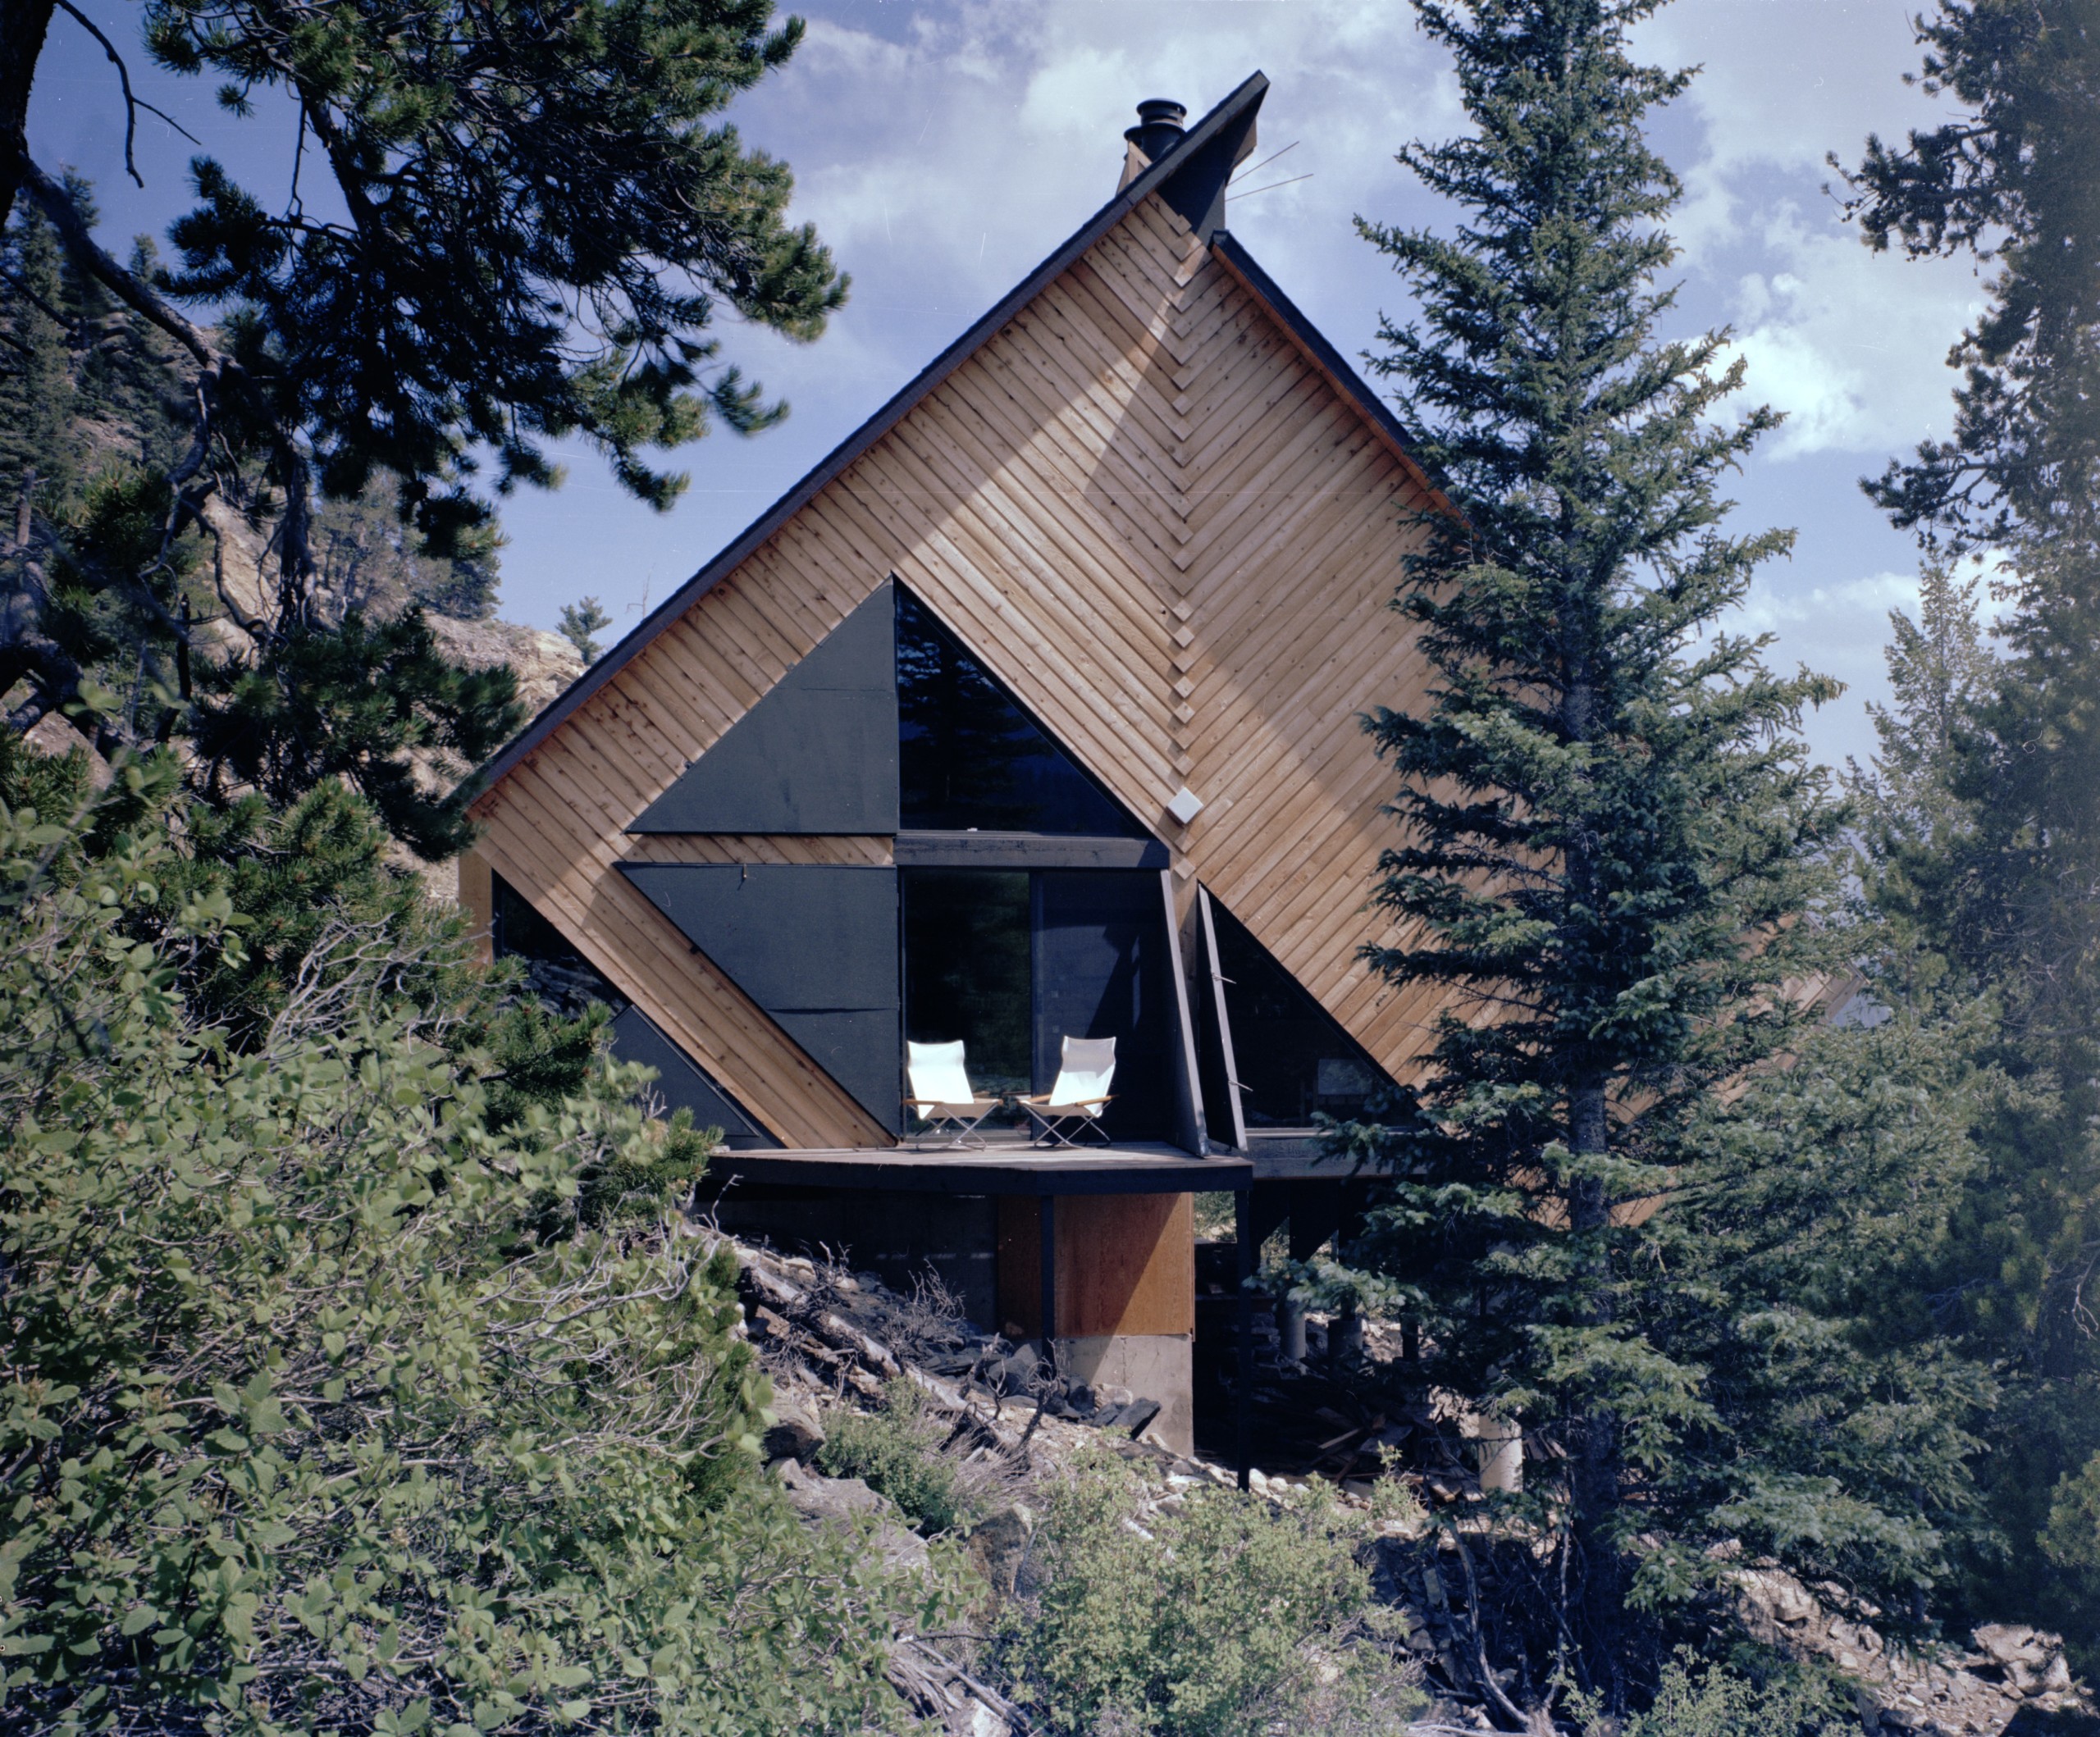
{"x":951,"y":1105}
{"x":1080,"y":1094}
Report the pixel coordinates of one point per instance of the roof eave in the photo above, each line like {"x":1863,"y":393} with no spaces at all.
{"x":1313,"y":344}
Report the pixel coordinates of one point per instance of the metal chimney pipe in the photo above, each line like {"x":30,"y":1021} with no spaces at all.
{"x":1160,"y":126}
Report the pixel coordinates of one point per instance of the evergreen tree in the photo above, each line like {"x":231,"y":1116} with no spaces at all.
{"x":2015,"y":181}
{"x":1613,"y":849}
{"x":366,"y":558}
{"x":36,"y":384}
{"x":580,"y":622}
{"x":1940,"y":669}
{"x":2008,"y":901}
{"x":542,"y":219}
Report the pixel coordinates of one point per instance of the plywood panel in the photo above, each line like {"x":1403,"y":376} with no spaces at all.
{"x":1126,"y":1264}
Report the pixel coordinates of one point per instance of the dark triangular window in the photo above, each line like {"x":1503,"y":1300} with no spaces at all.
{"x":1293,"y":1058}
{"x":970,"y":759}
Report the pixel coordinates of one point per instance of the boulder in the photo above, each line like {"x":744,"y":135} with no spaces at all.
{"x":2013,"y":1644}
{"x":796,"y":1434}
{"x":824,"y":1500}
{"x":998,"y":1546}
{"x":815,"y":1496}
{"x":1017,"y":1370}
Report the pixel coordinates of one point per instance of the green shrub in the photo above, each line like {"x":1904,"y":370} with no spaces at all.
{"x":897,"y":1452}
{"x":1703,"y":1699}
{"x":299,"y":1431}
{"x":1228,"y":1617}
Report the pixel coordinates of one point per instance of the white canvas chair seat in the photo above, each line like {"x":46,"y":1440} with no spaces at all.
{"x":1074,"y":1105}
{"x":942,"y":1096}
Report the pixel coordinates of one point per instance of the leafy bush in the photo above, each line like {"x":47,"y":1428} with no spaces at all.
{"x":1697,"y":1699}
{"x":1229,"y":1617}
{"x":313,"y":1414}
{"x":897,"y":1452}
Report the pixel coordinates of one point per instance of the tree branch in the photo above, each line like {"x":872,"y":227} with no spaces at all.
{"x":132,"y":103}
{"x":127,"y":286}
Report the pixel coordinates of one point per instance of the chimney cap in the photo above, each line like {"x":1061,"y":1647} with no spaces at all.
{"x":1162,"y":125}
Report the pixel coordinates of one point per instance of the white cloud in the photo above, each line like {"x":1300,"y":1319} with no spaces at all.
{"x":1773,"y":609}
{"x":1851,"y":345}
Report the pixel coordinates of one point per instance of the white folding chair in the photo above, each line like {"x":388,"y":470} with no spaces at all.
{"x":942,"y":1095}
{"x":1086,"y":1067}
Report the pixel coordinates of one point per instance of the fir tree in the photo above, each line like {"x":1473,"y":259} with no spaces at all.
{"x":2015,"y":181}
{"x":2007,"y":902}
{"x":1613,"y":842}
{"x":1940,"y":669}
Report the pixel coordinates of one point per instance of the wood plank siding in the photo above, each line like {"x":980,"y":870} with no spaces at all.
{"x":1155,"y":513}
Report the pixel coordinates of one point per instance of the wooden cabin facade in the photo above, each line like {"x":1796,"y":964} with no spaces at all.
{"x":1031,"y":712}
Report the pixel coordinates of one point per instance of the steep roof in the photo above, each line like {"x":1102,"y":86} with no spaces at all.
{"x":1192,"y":178}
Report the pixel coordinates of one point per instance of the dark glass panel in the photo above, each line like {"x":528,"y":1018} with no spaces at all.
{"x":1293,"y":1058}
{"x":969,"y":756}
{"x":557,"y":971}
{"x":966,"y":969}
{"x":1101,"y":971}
{"x":569,"y":984}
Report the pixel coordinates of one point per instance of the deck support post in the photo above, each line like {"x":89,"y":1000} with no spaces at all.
{"x":1047,"y":1278}
{"x":1242,"y":1213}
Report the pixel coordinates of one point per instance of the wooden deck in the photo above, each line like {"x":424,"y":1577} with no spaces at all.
{"x":998,"y":1168}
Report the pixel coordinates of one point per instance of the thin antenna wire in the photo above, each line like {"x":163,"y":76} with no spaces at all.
{"x":1252,"y":191}
{"x":1264,"y":164}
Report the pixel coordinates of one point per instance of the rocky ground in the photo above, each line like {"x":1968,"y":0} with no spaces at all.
{"x":832,"y":1338}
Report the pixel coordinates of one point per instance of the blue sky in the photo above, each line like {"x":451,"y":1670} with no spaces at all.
{"x":943,"y":148}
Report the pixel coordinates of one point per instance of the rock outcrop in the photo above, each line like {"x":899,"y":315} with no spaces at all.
{"x":545,"y":662}
{"x":1976,"y":1691}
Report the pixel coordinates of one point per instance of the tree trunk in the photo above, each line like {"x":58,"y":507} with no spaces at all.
{"x":1589,"y":1132}
{"x":23,"y":24}
{"x":1594,"y":1471}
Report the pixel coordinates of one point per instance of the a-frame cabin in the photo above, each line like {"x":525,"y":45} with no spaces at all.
{"x":1031,"y":712}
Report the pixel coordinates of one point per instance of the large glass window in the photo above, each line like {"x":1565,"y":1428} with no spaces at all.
{"x":967,"y":972}
{"x":1101,"y":971}
{"x":970,"y":759}
{"x":1294,"y":1059}
{"x":1012,"y":963}
{"x":558,"y":973}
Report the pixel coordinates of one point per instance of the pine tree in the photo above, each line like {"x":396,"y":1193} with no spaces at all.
{"x":1613,"y":842}
{"x":580,"y":624}
{"x":368,"y":558}
{"x":36,"y":385}
{"x":541,"y":223}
